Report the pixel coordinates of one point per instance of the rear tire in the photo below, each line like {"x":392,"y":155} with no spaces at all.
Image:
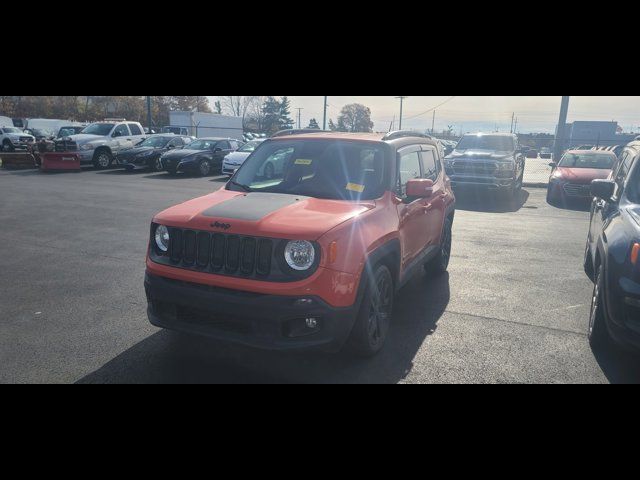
{"x":102,"y":159}
{"x":374,"y":317}
{"x":440,"y":263}
{"x":598,"y":334}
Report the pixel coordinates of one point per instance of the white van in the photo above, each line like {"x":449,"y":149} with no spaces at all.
{"x":52,"y":125}
{"x":6,"y":122}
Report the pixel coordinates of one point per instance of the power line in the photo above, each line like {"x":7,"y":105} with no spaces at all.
{"x":431,"y":109}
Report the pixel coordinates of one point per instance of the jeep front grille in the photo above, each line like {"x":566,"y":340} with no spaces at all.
{"x":227,"y":254}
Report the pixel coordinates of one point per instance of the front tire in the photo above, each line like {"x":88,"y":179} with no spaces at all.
{"x":374,"y":317}
{"x":204,"y":168}
{"x":598,"y":334}
{"x":7,"y":146}
{"x":102,"y":159}
{"x":440,"y":263}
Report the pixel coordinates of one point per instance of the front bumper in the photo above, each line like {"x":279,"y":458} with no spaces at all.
{"x":478,"y":181}
{"x":263,"y":321}
{"x":228,"y":169}
{"x":86,"y":156}
{"x":136,"y":162}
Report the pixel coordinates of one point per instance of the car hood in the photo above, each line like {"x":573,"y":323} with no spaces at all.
{"x":85,"y":138}
{"x":139,"y":150}
{"x":581,"y":175}
{"x":477,"y":153}
{"x":237,"y":157}
{"x":180,"y":154}
{"x":263,"y":214}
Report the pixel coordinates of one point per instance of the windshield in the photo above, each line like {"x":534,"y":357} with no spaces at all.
{"x":486,"y":142}
{"x":11,"y":130}
{"x":588,"y":160}
{"x":326,"y":169}
{"x":68,"y":131}
{"x":202,"y":145}
{"x":155,"y":142}
{"x":250,"y":147}
{"x":102,"y":129}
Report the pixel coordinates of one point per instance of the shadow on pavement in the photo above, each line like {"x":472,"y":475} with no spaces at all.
{"x":618,"y":365}
{"x":169,"y":357}
{"x":489,"y":202}
{"x":574,"y":205}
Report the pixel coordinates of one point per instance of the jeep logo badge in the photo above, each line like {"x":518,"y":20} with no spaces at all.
{"x":223,"y":226}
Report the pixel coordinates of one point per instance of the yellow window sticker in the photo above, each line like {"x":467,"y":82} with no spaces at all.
{"x":303,"y":161}
{"x":354,"y":187}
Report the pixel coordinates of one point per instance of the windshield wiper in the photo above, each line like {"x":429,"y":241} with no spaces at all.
{"x":246,"y":188}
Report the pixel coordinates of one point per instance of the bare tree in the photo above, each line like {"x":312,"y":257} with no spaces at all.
{"x":237,"y":106}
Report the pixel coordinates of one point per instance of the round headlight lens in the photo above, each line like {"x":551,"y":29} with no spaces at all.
{"x":300,"y":255}
{"x":162,"y":238}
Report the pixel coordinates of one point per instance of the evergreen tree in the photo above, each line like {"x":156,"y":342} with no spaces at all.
{"x":313,"y":124}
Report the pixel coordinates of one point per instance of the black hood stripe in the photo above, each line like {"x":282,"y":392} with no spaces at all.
{"x":252,"y":207}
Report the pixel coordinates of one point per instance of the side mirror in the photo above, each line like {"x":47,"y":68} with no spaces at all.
{"x":420,"y":188}
{"x":603,"y":189}
{"x":553,"y":164}
{"x":170,"y":147}
{"x":217,"y":150}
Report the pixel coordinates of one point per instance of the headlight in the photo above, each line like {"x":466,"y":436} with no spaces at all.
{"x":300,"y":255}
{"x":87,"y":146}
{"x":162,"y":238}
{"x":508,"y":166}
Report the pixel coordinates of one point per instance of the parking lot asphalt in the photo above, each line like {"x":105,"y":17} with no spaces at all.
{"x":513,"y":308}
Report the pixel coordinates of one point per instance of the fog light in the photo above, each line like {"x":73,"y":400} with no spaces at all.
{"x":303,"y":327}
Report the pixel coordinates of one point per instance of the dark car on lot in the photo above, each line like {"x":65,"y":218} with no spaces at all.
{"x":612,"y":254}
{"x":571,"y":178}
{"x":146,"y":155}
{"x":40,"y":134}
{"x":546,"y":153}
{"x":490,"y":161}
{"x":201,"y":157}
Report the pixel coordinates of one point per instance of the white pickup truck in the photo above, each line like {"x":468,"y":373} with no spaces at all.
{"x":100,"y":142}
{"x":12,"y":137}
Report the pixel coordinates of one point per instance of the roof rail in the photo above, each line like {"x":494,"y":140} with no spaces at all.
{"x":404,"y":134}
{"x":296,"y":131}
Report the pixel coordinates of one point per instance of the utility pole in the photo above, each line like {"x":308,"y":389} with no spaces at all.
{"x":149,"y":113}
{"x":300,"y":117}
{"x":401,"y":105}
{"x":512,"y":117}
{"x":515,"y":127}
{"x":324,"y":118}
{"x":560,"y":131}
{"x":433,"y":122}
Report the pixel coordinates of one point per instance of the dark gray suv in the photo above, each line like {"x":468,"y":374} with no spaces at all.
{"x":492,"y":161}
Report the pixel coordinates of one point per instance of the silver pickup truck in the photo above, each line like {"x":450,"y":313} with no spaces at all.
{"x":100,"y":142}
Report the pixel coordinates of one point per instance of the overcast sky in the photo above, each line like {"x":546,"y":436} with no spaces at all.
{"x":534,"y":113}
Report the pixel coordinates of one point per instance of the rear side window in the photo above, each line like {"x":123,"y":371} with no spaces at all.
{"x":409,"y":169}
{"x":121,"y":131}
{"x":224,"y":145}
{"x":234,"y":145}
{"x":135,"y":129}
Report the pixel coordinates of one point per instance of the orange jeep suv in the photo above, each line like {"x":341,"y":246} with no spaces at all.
{"x":307,"y":245}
